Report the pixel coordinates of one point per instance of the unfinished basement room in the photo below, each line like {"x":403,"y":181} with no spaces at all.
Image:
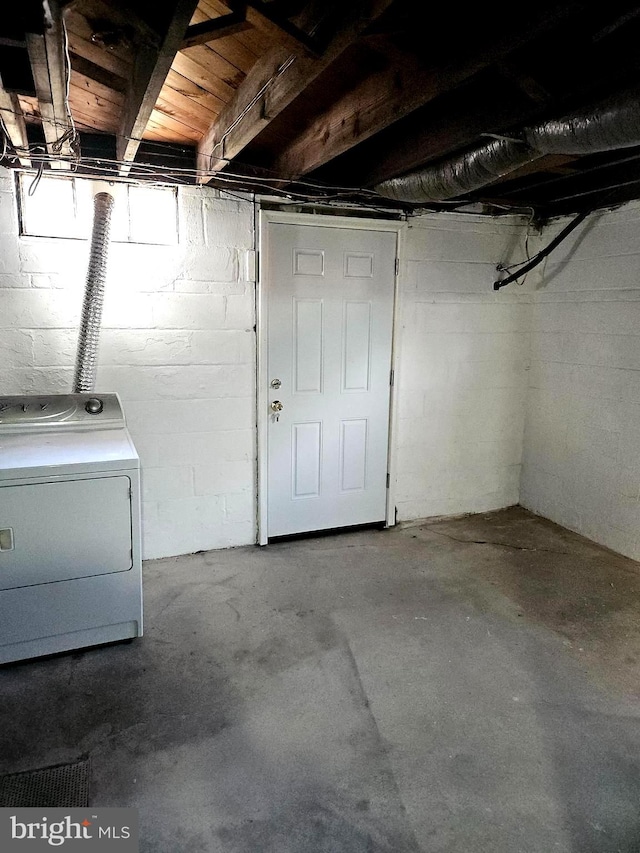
{"x":319,"y":426}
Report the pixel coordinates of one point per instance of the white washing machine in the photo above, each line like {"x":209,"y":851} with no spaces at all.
{"x":70,"y":560}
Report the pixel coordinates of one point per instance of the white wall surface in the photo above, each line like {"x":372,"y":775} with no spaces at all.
{"x":177,"y":345}
{"x":463,"y":367}
{"x":581,"y":464}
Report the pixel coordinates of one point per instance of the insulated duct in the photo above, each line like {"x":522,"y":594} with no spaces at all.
{"x":87,"y":355}
{"x":610,"y":125}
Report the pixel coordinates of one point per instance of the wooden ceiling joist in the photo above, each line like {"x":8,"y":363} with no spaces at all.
{"x":100,"y":75}
{"x":216,"y":28}
{"x":275,"y":81}
{"x":119,"y":16}
{"x":151,"y":68}
{"x":14,"y":124}
{"x":49,"y":68}
{"x":423,"y":138}
{"x":279,"y":29}
{"x":243,"y":17}
{"x":82,"y":41}
{"x":392,"y":93}
{"x":351,"y":92}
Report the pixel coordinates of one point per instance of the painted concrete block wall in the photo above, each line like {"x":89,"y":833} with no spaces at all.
{"x":581,"y":463}
{"x":463,"y":367}
{"x":178,"y":345}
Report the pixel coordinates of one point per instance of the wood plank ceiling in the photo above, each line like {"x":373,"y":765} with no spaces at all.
{"x":316,"y":100}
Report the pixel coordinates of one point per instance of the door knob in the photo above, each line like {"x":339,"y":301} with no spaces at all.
{"x":276,"y":406}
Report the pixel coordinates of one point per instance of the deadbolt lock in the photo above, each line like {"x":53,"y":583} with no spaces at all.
{"x":275,"y":383}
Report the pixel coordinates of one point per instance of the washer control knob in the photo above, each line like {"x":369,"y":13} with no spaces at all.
{"x":94,"y":406}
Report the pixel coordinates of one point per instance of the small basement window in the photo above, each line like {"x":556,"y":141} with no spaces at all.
{"x":63,"y":207}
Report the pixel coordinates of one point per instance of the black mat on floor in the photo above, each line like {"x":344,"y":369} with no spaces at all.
{"x":64,"y":786}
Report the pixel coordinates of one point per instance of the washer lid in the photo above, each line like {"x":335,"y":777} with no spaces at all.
{"x":57,"y":453}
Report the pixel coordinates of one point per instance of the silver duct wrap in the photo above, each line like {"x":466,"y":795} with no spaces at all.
{"x":612,"y":125}
{"x":459,"y":175}
{"x":87,"y":355}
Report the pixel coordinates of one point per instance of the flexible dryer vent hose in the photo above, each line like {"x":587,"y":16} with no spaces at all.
{"x":87,"y":355}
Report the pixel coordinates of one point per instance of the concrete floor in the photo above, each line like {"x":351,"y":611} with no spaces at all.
{"x":463,"y":686}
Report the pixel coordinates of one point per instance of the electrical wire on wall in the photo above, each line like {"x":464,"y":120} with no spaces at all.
{"x":502,"y":268}
{"x":527,"y":266}
{"x":34,"y":183}
{"x":305,"y":191}
{"x":5,"y":139}
{"x":300,"y":190}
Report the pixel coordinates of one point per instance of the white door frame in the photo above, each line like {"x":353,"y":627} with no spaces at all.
{"x":264,"y":218}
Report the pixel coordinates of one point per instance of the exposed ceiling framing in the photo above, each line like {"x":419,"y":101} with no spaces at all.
{"x":316,"y":99}
{"x":150,"y":69}
{"x":48,"y":65}
{"x":276,"y":80}
{"x":14,"y":124}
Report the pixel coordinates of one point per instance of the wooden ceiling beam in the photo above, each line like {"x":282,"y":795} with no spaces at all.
{"x":279,"y":29}
{"x":114,"y":15}
{"x":96,"y":72}
{"x":216,"y":28}
{"x":14,"y":124}
{"x":151,"y":68}
{"x":277,"y":79}
{"x":428,"y":135}
{"x":244,"y":16}
{"x":49,"y":68}
{"x":396,"y":91}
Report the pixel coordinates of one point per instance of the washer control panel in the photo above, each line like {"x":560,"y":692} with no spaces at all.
{"x":60,"y":411}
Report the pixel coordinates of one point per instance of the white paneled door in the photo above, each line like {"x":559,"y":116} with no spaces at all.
{"x":330,"y":320}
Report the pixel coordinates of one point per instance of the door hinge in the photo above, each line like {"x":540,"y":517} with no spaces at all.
{"x":388,"y":480}
{"x":397,"y":266}
{"x":392,"y":376}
